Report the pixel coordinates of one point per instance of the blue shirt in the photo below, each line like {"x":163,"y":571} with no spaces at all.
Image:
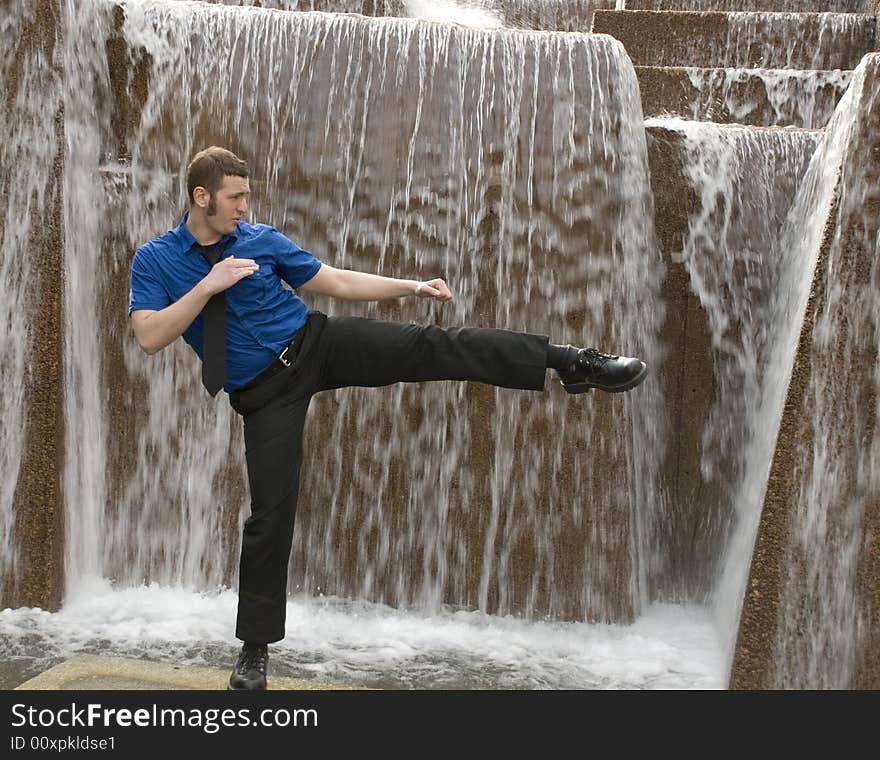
{"x":261,"y":314}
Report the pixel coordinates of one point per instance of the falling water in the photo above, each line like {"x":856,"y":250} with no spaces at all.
{"x":783,"y":41}
{"x":796,"y":250}
{"x":451,"y":12}
{"x":572,"y":16}
{"x":557,"y":15}
{"x":753,"y":282}
{"x":85,"y":374}
{"x":825,"y":607}
{"x":539,"y":223}
{"x":745,"y":181}
{"x":818,"y":41}
{"x":367,"y":7}
{"x":793,"y":98}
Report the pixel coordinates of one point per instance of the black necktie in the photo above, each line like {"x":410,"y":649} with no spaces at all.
{"x":214,"y":328}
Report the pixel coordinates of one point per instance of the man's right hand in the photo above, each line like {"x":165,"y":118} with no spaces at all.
{"x":226,"y":272}
{"x":156,"y":329}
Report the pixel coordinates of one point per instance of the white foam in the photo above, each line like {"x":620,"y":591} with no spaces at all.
{"x":364,"y":644}
{"x":449,"y":12}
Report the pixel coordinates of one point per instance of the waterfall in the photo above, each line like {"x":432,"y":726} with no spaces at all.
{"x":799,"y":98}
{"x":84,"y":216}
{"x":796,"y":248}
{"x":750,"y":251}
{"x":744,"y":182}
{"x":825,"y":609}
{"x":571,"y":16}
{"x":513,"y":164}
{"x":778,"y":40}
{"x":808,"y":41}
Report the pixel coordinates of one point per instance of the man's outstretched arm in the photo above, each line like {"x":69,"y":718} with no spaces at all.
{"x":362,"y":286}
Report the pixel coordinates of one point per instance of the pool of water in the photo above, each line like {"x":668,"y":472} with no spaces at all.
{"x":357,"y":643}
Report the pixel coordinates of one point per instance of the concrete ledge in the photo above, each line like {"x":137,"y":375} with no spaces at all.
{"x":87,"y":672}
{"x":741,"y":40}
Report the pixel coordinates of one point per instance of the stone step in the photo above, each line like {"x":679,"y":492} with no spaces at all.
{"x":89,"y":672}
{"x":754,"y":97}
{"x":786,"y":6}
{"x":817,"y":41}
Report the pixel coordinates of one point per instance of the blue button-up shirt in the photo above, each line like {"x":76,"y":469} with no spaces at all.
{"x":261,"y":314}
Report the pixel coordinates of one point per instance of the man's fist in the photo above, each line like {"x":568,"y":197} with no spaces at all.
{"x":435,"y":289}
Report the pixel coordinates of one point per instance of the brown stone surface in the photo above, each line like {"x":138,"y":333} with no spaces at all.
{"x":781,"y":607}
{"x":689,"y":387}
{"x":800,"y":41}
{"x":129,"y":74}
{"x":647,"y":34}
{"x":873,"y":6}
{"x":37,"y":503}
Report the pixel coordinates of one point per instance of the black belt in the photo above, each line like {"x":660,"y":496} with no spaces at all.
{"x":284,"y":360}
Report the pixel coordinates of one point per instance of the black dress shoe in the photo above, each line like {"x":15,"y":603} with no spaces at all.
{"x":593,"y":369}
{"x":249,"y":672}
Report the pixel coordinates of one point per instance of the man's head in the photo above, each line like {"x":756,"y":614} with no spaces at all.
{"x":218,"y":186}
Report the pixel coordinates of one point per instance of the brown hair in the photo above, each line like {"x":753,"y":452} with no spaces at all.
{"x":208,"y":168}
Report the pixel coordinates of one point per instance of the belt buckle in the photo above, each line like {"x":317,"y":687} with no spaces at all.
{"x":282,"y":357}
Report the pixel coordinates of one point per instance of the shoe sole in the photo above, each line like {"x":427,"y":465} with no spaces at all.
{"x":586,"y":387}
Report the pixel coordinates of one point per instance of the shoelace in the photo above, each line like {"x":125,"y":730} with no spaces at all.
{"x":253,"y":658}
{"x":593,"y":356}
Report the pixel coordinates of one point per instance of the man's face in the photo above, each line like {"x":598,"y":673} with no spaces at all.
{"x":228,"y":205}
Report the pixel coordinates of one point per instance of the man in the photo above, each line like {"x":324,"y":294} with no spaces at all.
{"x":216,"y":281}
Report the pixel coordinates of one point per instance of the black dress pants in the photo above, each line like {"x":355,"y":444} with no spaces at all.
{"x":339,"y":352}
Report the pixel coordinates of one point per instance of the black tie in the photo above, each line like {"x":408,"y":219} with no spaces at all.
{"x":214,"y":328}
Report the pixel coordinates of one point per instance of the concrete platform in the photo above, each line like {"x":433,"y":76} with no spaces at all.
{"x":741,"y":40}
{"x":87,"y":672}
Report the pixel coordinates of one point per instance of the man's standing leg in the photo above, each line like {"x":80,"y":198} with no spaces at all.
{"x":273,"y":443}
{"x":273,"y":440}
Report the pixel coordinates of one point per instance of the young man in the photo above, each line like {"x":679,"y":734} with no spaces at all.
{"x":216,"y":280}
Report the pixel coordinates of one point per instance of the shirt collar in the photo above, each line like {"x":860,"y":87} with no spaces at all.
{"x":188,"y":240}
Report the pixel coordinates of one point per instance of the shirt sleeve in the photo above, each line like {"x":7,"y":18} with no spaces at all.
{"x":295,"y":265}
{"x":146,"y":292}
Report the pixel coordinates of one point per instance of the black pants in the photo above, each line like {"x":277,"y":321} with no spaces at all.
{"x":339,"y":352}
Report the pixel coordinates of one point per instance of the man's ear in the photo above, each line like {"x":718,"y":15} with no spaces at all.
{"x":201,"y":197}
